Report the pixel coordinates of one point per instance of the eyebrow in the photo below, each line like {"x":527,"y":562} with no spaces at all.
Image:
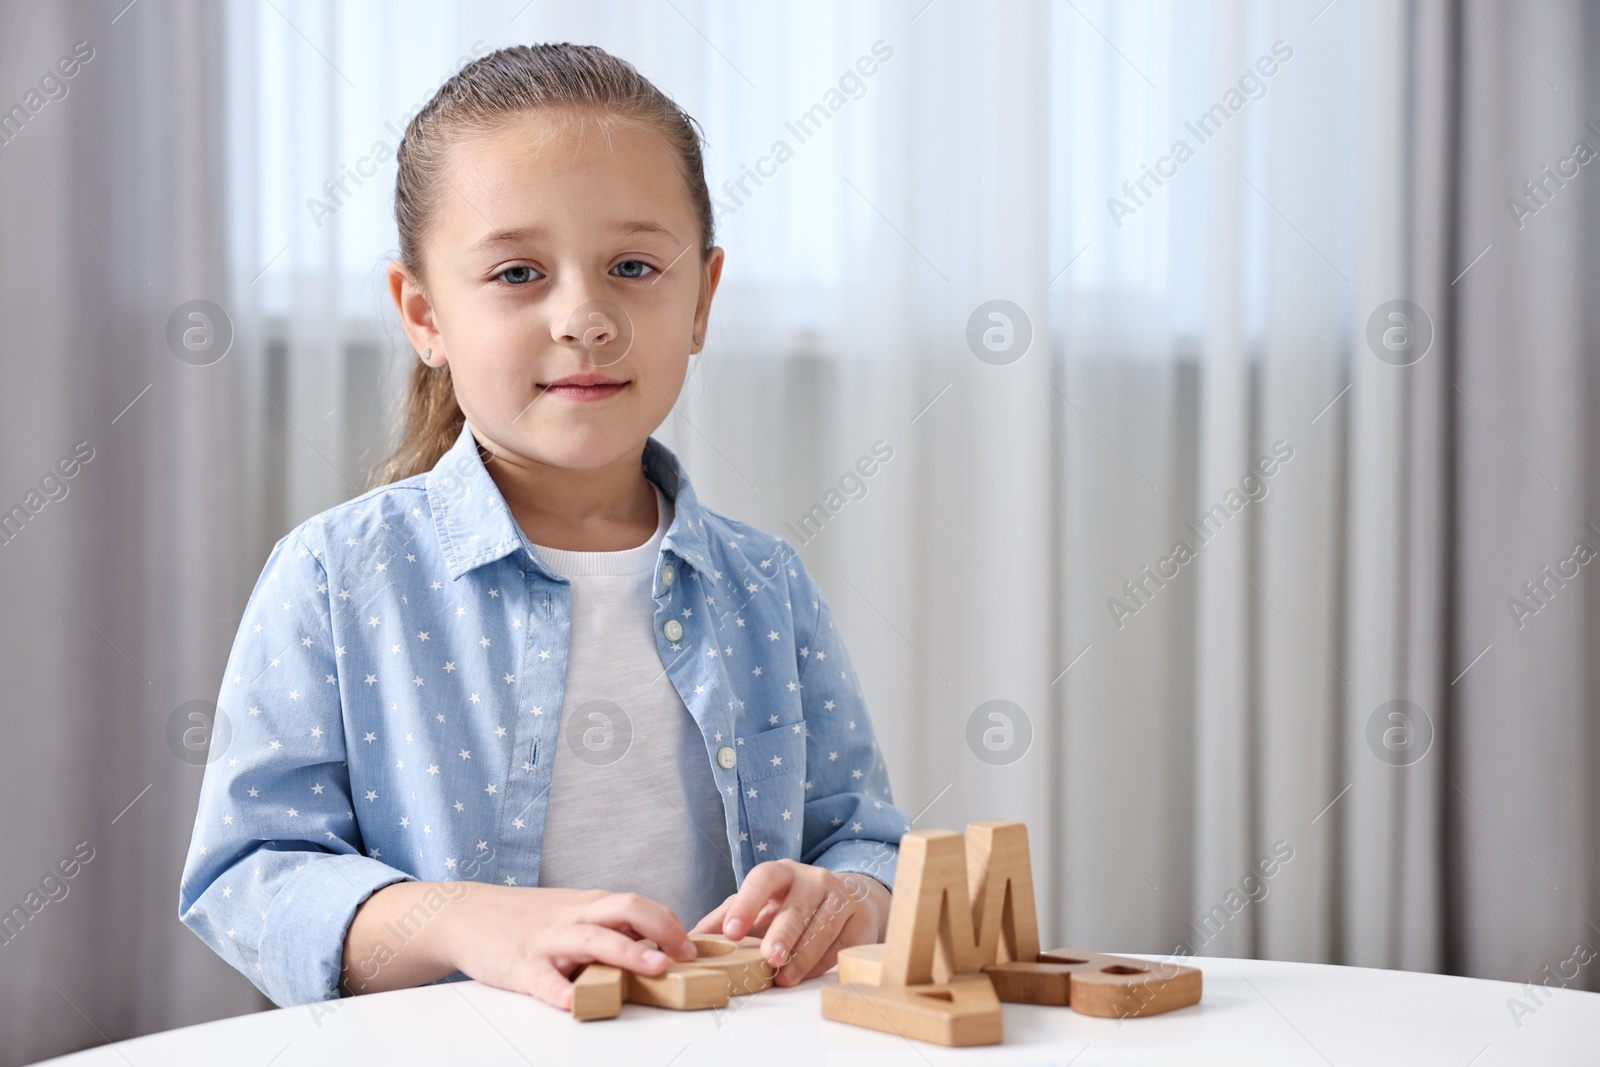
{"x":524,"y":233}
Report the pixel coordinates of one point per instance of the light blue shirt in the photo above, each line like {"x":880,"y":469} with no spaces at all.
{"x":392,"y":703}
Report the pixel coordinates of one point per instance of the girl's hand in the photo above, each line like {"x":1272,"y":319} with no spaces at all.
{"x":808,"y":914}
{"x":531,"y":939}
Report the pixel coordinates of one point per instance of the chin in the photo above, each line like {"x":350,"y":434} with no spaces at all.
{"x":578,"y":448}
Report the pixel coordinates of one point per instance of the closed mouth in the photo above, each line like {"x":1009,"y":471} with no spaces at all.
{"x":585,"y":387}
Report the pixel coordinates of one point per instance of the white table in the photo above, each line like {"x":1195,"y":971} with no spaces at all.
{"x":1252,"y":1012}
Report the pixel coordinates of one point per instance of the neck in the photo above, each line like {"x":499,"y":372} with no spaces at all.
{"x":599,"y":509}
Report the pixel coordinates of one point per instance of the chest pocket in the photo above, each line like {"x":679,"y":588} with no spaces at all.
{"x":773,"y":763}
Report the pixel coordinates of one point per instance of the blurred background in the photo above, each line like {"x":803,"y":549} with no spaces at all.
{"x":1234,"y":358}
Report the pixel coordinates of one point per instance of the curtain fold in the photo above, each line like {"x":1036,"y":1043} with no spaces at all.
{"x":1375,"y":511}
{"x":1524,"y":769}
{"x":1425,"y":893}
{"x":1303,"y":399}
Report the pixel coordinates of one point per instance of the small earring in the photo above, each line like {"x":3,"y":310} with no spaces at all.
{"x":426,"y":352}
{"x":696,"y":338}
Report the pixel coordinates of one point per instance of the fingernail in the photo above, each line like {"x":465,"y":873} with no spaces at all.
{"x":780,"y":953}
{"x":687,"y":948}
{"x":654,"y":956}
{"x":730,"y":929}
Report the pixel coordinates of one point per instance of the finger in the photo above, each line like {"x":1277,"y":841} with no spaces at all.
{"x":764,"y":916}
{"x":550,"y":978}
{"x":643,"y":917}
{"x":586,"y":942}
{"x":550,"y":986}
{"x":765,"y":882}
{"x":857,"y":930}
{"x":821,"y":929}
{"x":788,"y":927}
{"x":712,"y":922}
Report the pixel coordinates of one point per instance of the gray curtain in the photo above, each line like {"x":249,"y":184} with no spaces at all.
{"x":122,"y":596}
{"x":1521,"y":825}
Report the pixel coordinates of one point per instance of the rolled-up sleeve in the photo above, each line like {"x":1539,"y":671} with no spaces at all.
{"x":276,"y":866}
{"x":851,"y":820}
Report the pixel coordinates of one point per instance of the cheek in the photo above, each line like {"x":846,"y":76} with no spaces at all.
{"x":660,"y":384}
{"x":494,"y":353}
{"x":662,"y":360}
{"x":660,"y":348}
{"x":487,"y":385}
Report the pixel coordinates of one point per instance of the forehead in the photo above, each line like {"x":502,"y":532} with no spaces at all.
{"x":564,"y":172}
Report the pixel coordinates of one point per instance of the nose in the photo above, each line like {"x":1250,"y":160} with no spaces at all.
{"x":592,"y":325}
{"x":574,"y":321}
{"x":598,"y":328}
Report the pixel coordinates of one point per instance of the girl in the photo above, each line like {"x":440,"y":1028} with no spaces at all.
{"x":530,"y":702}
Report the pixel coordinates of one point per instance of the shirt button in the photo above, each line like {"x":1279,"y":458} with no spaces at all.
{"x":726,"y":757}
{"x":673,"y":629}
{"x":666,"y":574}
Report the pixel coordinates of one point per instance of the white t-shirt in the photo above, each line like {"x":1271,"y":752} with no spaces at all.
{"x":633,"y":806}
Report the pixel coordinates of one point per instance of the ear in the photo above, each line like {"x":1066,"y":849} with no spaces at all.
{"x":710,"y":275}
{"x":416,"y":314}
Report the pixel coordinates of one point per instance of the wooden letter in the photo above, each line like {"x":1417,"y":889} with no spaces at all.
{"x":722,"y":969}
{"x":927,"y":978}
{"x":597,"y":993}
{"x":930,"y":937}
{"x":1000,"y":880}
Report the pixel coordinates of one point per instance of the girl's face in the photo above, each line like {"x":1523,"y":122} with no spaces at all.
{"x":564,"y":288}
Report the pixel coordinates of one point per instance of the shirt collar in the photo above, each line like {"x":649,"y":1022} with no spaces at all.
{"x":475,"y":524}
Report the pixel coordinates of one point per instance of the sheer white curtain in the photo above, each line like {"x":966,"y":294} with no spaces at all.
{"x":1180,"y":326}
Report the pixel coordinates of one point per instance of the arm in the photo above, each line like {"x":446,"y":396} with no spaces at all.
{"x":275,"y":868}
{"x":526,"y":939}
{"x":375,"y":961}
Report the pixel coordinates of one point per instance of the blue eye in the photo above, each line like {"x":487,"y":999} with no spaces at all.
{"x":633,"y":268}
{"x":523,"y":274}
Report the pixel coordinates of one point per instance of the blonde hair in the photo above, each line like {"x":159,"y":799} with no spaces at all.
{"x":483,"y":96}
